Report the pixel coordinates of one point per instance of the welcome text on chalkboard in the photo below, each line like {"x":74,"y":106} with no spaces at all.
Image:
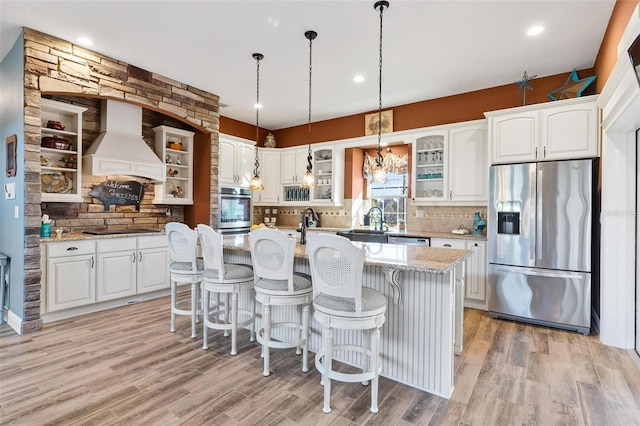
{"x":118,"y":192}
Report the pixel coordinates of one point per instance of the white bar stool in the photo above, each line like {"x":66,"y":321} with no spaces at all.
{"x":185,"y":268}
{"x":276,"y":284}
{"x":341,"y":302}
{"x":223,"y":279}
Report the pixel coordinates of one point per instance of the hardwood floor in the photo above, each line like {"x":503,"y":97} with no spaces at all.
{"x":124,"y":367}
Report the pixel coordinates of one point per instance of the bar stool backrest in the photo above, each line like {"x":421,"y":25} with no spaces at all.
{"x":183,"y":243}
{"x":211,"y":246}
{"x":336,"y":267}
{"x":272,"y":254}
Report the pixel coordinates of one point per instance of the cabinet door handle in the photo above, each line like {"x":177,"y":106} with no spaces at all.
{"x":447,"y":245}
{"x":92,"y":262}
{"x":133,"y":257}
{"x":536,"y":152}
{"x":451,"y":194}
{"x":72,"y":248}
{"x":544,"y":152}
{"x":140,"y":257}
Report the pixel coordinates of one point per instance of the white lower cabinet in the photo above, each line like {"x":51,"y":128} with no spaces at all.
{"x":152,"y":264}
{"x":116,"y":271}
{"x":85,"y":272}
{"x":476,"y":269}
{"x":71,"y":274}
{"x":128,"y":266}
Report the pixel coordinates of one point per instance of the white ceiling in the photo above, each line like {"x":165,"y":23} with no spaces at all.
{"x":431,"y":49}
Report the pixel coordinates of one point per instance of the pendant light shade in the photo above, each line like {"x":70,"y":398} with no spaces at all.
{"x":256,"y":181}
{"x":309,"y":180}
{"x":380,"y":175}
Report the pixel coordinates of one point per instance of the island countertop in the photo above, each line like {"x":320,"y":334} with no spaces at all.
{"x":401,"y":257}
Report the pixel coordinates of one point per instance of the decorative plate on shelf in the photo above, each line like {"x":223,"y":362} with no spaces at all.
{"x":56,"y":183}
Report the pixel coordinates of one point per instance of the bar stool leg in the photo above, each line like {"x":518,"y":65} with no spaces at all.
{"x":374,"y":365}
{"x":366,"y":345}
{"x":174,"y":290}
{"x":266,"y":337}
{"x":234,"y":322}
{"x":252,"y":302}
{"x":305,"y":338}
{"x":194,"y":309}
{"x":327,"y":361}
{"x":205,"y":318}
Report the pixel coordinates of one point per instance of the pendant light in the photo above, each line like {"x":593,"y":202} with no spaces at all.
{"x":256,"y":181}
{"x":309,"y":180}
{"x":380,"y":175}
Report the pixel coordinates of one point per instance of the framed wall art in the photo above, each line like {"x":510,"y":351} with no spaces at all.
{"x":12,"y":146}
{"x":371,"y":123}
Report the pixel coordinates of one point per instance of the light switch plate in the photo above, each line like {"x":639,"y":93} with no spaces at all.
{"x":10,"y":191}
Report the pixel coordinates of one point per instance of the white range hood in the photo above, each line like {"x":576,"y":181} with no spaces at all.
{"x":120,"y":148}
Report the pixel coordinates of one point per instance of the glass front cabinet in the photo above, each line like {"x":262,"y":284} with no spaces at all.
{"x":430,"y":156}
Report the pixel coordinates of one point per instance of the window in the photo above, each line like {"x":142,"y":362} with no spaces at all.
{"x":391,"y":197}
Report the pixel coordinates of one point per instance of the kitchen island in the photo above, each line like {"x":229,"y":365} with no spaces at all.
{"x":423,"y":328}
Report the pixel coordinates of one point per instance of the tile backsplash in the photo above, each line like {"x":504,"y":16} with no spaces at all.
{"x":434,"y":218}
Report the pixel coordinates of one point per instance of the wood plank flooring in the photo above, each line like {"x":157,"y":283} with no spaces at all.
{"x":123,"y":367}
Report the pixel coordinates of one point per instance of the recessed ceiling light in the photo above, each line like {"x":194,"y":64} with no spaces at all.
{"x":257,"y":106}
{"x":358,"y":78}
{"x":85,"y":41}
{"x":535,"y":30}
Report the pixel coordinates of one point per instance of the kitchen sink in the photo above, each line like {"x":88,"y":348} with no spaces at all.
{"x":365,"y":235}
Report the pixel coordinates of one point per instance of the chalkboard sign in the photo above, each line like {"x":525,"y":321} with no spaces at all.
{"x":122,"y":193}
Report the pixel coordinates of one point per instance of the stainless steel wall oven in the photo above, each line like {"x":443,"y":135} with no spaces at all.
{"x":236,"y":211}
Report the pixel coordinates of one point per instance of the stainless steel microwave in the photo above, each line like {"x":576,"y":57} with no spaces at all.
{"x":236,"y":211}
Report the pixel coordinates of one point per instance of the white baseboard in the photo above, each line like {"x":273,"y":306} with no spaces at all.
{"x":14,"y":321}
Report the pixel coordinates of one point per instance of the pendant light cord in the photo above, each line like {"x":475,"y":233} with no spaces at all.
{"x":310,"y":35}
{"x":380,"y":5}
{"x":258,"y":57}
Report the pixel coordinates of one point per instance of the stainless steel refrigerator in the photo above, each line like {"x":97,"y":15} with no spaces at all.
{"x":539,"y":234}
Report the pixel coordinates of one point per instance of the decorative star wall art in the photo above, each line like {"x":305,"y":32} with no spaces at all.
{"x":523,"y":86}
{"x":572,"y":88}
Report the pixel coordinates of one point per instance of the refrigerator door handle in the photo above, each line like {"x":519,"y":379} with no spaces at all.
{"x":532,"y":202}
{"x":539,"y":209}
{"x":538,"y":273}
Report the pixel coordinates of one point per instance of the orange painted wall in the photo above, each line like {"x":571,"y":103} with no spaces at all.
{"x":450,"y":109}
{"x":200,"y":211}
{"x":608,"y":53}
{"x":229,"y":126}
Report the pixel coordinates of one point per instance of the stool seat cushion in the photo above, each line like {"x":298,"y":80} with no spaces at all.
{"x":185,"y":267}
{"x":301,"y":283}
{"x":232,"y":271}
{"x":372,"y":302}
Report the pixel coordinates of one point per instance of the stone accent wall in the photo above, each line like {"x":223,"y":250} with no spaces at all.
{"x":54,"y":66}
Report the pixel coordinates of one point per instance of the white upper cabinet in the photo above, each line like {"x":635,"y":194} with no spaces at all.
{"x":236,"y":160}
{"x":560,"y":130}
{"x":451,"y":166}
{"x":468,"y":164}
{"x":294,"y":164}
{"x":270,"y":174}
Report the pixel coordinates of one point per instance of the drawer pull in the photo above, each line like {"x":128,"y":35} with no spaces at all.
{"x":447,"y":245}
{"x":72,"y":248}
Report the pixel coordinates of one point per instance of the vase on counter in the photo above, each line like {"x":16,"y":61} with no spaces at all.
{"x":478,"y":224}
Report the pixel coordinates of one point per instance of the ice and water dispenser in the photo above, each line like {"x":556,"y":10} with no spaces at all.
{"x":508,"y":217}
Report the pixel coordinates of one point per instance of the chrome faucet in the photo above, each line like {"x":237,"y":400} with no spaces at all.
{"x":303,"y":226}
{"x":368,"y":215}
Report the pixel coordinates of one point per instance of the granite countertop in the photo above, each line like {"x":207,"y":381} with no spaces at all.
{"x":403,"y":257}
{"x":76,"y":236}
{"x":397,"y":232}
